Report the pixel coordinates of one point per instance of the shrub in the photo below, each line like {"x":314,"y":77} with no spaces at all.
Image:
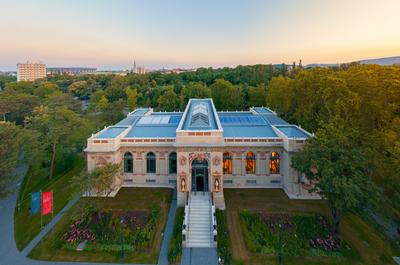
{"x":224,"y":250}
{"x":299,"y":234}
{"x":175,"y":245}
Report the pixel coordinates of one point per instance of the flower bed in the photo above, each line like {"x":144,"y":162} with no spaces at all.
{"x":294,"y":235}
{"x":104,"y":231}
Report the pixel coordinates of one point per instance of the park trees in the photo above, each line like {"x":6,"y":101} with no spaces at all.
{"x":168,"y":101}
{"x":9,"y":151}
{"x":132,"y":96}
{"x":339,"y":170}
{"x":79,"y":88}
{"x":365,"y":97}
{"x":227,"y":96}
{"x":99,"y":182}
{"x":257,"y":95}
{"x":60,"y":131}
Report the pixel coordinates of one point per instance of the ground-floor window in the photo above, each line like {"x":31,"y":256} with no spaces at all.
{"x":250,"y":163}
{"x":227,"y":163}
{"x":274,"y":162}
{"x":172,"y":163}
{"x":128,"y":163}
{"x":151,"y":162}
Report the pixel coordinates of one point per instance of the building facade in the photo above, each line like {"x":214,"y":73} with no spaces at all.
{"x":30,"y":71}
{"x":202,"y":150}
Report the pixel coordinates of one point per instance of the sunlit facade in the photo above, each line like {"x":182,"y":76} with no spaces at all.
{"x":201,"y":149}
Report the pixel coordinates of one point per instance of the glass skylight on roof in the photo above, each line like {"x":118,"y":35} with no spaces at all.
{"x":174,"y":119}
{"x":155,"y":120}
{"x":200,"y":115}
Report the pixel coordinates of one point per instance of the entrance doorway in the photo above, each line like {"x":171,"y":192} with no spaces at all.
{"x":200,"y":175}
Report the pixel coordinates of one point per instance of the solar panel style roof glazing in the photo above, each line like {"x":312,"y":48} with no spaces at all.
{"x":292,"y":131}
{"x":111,"y":132}
{"x":157,"y":124}
{"x":152,"y":131}
{"x":245,"y":124}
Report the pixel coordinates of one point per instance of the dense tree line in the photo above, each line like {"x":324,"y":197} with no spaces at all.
{"x":355,"y":112}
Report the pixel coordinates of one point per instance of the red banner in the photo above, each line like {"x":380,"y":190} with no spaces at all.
{"x":47,"y":202}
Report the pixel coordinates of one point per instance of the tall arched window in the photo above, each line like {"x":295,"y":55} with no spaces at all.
{"x":172,"y":163}
{"x":151,"y":162}
{"x":227,"y":163}
{"x":274,"y":163}
{"x":128,"y":163}
{"x":250,"y":163}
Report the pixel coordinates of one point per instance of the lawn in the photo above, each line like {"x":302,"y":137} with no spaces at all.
{"x":62,"y":192}
{"x":128,"y":199}
{"x":367,"y":245}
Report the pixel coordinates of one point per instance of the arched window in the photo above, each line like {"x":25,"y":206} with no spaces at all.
{"x":128,"y":163}
{"x":274,"y":163}
{"x":250,"y":163}
{"x":227,"y":163}
{"x":172,"y":163}
{"x":151,"y":162}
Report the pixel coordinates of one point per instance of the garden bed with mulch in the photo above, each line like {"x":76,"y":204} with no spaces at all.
{"x":105,"y":231}
{"x":290,"y":234}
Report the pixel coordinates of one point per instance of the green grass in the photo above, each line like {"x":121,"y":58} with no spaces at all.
{"x":367,"y":244}
{"x":143,"y":199}
{"x":224,"y":249}
{"x":26,"y":227}
{"x":175,"y":244}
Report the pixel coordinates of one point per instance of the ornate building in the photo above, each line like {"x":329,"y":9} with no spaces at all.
{"x":202,"y":150}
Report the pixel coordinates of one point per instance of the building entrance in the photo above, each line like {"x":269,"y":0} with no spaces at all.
{"x":200,"y":175}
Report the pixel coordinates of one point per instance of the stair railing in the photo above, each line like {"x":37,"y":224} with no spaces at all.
{"x":214,"y":222}
{"x":185,"y":225}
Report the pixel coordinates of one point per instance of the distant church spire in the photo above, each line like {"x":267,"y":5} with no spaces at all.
{"x":134,"y":67}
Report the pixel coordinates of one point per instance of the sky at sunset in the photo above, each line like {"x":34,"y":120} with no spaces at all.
{"x":187,"y":33}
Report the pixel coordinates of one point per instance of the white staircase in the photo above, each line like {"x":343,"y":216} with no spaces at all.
{"x":200,"y":221}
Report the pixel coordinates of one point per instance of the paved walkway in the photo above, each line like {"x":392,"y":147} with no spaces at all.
{"x":199,"y":256}
{"x":169,"y":228}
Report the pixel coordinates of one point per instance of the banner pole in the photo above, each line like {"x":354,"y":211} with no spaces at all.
{"x":52,"y":214}
{"x":41,"y":211}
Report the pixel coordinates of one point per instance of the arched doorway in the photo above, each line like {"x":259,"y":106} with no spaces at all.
{"x":200,"y":175}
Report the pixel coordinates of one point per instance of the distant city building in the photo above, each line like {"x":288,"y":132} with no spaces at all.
{"x":140,"y":70}
{"x":30,"y":71}
{"x":70,"y":70}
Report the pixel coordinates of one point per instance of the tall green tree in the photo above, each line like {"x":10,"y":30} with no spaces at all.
{"x":132,"y":96}
{"x":257,"y":95}
{"x":168,"y":101}
{"x":59,"y":128}
{"x":339,"y":171}
{"x":223,"y":94}
{"x":99,"y":182}
{"x":9,"y":150}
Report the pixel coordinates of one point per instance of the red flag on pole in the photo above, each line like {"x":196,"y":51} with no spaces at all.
{"x":47,"y":202}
